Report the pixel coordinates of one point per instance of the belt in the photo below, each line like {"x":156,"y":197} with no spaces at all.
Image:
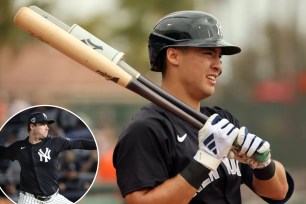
{"x":40,"y":197}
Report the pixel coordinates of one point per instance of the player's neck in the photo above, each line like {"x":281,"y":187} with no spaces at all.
{"x":33,"y":139}
{"x":182,"y":96}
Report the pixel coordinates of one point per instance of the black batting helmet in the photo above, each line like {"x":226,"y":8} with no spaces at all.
{"x":186,"y":29}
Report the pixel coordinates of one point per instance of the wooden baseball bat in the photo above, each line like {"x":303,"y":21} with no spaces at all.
{"x":116,"y":57}
{"x":44,"y":30}
{"x":47,"y":32}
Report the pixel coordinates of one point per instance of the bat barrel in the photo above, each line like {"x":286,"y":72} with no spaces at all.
{"x":62,"y":41}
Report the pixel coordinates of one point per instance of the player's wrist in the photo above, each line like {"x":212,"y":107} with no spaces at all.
{"x":207,"y":160}
{"x":265,"y":173}
{"x":195,"y":173}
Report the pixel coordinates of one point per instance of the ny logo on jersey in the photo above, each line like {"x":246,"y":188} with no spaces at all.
{"x":45,"y":155}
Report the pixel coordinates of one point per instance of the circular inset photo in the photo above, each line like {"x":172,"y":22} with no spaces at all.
{"x":47,"y":155}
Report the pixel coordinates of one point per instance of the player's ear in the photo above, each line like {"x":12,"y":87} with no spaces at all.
{"x":172,"y":55}
{"x":31,"y":126}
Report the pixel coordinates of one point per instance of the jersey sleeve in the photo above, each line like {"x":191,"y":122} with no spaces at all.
{"x":8,"y":152}
{"x":247,"y":179}
{"x":64,"y":143}
{"x":141,"y":156}
{"x":2,"y":152}
{"x":83,"y":144}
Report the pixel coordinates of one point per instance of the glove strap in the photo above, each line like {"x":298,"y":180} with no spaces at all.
{"x":265,"y":173}
{"x":195,"y":174}
{"x":207,"y":160}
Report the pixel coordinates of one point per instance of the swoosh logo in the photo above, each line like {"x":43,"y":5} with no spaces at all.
{"x":181,"y":138}
{"x":22,"y":147}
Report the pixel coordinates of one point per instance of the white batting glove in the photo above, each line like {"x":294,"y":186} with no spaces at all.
{"x":216,"y":138}
{"x":251,"y":149}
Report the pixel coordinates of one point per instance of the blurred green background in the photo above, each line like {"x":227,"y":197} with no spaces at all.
{"x":264,"y":86}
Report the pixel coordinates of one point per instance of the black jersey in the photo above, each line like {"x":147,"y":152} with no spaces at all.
{"x":156,"y":146}
{"x":39,"y":161}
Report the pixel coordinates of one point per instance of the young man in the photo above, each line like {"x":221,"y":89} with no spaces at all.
{"x":38,"y":159}
{"x":160,"y":158}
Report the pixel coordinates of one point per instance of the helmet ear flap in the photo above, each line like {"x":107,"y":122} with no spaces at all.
{"x":157,"y":47}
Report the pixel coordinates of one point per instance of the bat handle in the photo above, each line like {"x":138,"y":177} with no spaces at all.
{"x":261,"y":157}
{"x":258,"y":157}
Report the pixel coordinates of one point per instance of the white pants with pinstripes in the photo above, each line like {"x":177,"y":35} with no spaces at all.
{"x":28,"y":198}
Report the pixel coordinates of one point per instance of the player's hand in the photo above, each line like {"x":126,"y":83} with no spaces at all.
{"x":216,"y":138}
{"x":250,"y":145}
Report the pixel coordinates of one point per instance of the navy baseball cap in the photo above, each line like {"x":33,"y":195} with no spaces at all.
{"x":39,"y":117}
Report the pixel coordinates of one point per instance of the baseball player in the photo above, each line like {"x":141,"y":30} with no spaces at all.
{"x":38,"y":159}
{"x":159,"y":158}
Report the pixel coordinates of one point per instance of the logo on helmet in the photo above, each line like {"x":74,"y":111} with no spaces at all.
{"x":33,"y":120}
{"x":219,"y":27}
